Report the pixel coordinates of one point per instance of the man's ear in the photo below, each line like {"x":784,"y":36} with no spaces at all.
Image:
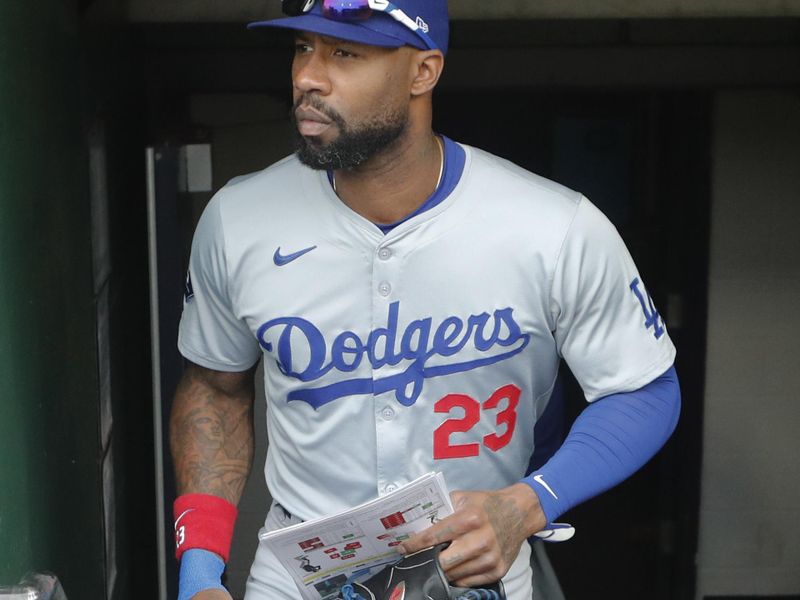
{"x":427,"y":69}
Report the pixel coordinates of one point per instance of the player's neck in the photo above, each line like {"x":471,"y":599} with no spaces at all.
{"x":395,"y":183}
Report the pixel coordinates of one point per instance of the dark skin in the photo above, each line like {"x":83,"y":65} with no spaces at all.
{"x":211,"y":437}
{"x":362,"y":84}
{"x":211,"y":432}
{"x":486,"y":532}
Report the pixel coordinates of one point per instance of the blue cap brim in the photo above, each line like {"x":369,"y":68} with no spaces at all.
{"x":352,"y":32}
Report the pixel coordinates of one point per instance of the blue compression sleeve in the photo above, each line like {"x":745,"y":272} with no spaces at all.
{"x":200,"y":570}
{"x":609,"y":441}
{"x":549,"y":431}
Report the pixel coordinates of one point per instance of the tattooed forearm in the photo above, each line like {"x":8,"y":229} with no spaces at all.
{"x":211,"y":434}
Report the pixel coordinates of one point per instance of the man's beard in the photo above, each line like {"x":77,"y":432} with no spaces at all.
{"x":353,"y":147}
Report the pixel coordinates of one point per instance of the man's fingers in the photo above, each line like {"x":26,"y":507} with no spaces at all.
{"x":469,"y":560}
{"x":467,"y":518}
{"x":474,"y":572}
{"x":468,"y":556}
{"x":458,"y":499}
{"x":443,"y":531}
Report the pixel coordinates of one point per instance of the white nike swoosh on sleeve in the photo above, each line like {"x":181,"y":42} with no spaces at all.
{"x":540,"y":480}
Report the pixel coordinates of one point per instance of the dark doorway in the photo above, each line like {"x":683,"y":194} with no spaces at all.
{"x":642,"y":157}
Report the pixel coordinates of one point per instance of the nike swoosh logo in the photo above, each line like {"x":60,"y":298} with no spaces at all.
{"x":183,"y":514}
{"x":282,"y":260}
{"x":540,"y":480}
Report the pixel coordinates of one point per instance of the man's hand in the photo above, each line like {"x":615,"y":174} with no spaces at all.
{"x":486,"y":532}
{"x":212,"y":595}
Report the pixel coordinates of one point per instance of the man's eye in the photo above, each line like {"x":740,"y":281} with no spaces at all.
{"x":343,"y":53}
{"x":301,"y":48}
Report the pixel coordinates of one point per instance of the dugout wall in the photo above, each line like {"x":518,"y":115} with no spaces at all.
{"x":76,"y":486}
{"x":50,"y":513}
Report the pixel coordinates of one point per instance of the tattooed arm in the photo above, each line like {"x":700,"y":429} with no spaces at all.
{"x":211,"y":432}
{"x":486,"y":532}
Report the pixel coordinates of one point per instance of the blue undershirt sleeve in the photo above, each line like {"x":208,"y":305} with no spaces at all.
{"x":200,"y":570}
{"x":550,"y":429}
{"x":609,"y":441}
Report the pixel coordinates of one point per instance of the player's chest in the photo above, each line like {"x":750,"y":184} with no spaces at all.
{"x":389,"y":313}
{"x":348,"y":282}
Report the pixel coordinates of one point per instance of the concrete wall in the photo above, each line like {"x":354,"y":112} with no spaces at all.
{"x":750,"y":509}
{"x":193,"y":11}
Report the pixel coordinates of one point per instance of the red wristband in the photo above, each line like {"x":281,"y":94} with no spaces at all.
{"x":203,"y":521}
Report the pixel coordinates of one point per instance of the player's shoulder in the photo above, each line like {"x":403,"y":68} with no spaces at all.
{"x":500,"y":190}
{"x":260,"y":192}
{"x":283,"y":173}
{"x":506,"y":176}
{"x":253,"y":208}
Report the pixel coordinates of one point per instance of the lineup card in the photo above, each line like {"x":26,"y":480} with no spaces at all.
{"x":322,"y":553}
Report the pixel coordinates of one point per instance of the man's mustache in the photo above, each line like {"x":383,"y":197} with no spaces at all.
{"x":318,"y":105}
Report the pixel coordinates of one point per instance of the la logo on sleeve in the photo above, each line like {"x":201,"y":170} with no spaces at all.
{"x":651,"y":316}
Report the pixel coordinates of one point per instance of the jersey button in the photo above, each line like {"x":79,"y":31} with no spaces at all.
{"x":384,"y":254}
{"x":390,"y":488}
{"x":387,"y":413}
{"x":384,"y":288}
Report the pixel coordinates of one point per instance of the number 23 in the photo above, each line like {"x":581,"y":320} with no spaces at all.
{"x":443,"y":448}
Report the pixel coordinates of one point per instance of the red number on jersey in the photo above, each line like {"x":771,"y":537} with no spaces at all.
{"x":507,"y":418}
{"x":442,"y":448}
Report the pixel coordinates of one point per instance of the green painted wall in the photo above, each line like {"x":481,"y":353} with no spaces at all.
{"x":50,"y":505}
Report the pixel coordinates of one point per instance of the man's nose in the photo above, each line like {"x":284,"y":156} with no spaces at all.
{"x":310,"y":75}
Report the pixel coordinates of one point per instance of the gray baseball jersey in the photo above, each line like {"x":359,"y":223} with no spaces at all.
{"x":434,"y":347}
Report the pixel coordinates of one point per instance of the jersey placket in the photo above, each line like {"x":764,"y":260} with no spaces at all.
{"x":389,"y":434}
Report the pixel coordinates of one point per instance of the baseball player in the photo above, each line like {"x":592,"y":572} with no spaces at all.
{"x":411,"y":299}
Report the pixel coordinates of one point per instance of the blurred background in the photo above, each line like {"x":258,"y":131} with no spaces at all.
{"x":119,"y":119}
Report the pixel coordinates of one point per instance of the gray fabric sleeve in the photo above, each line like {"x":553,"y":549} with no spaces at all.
{"x":605,"y":324}
{"x":211,"y":333}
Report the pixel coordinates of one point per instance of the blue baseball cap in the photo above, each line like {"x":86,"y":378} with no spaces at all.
{"x":381,"y":29}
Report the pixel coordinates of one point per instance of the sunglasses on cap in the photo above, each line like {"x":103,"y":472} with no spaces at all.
{"x":350,"y":11}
